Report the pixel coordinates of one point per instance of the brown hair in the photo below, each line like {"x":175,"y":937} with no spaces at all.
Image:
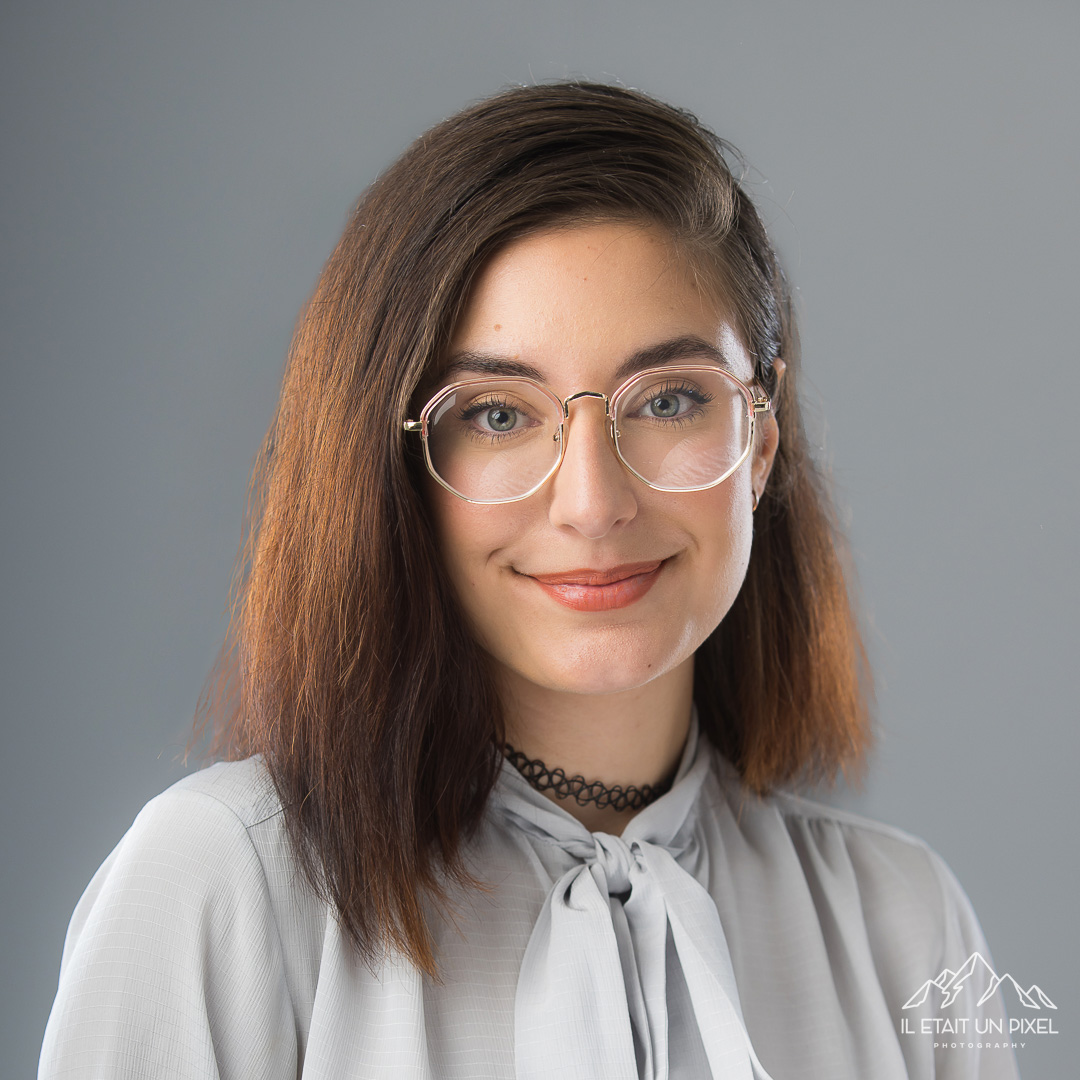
{"x":348,"y":665}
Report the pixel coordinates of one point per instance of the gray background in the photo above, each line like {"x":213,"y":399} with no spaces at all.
{"x":174,"y":176}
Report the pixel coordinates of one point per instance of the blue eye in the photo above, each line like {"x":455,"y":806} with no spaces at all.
{"x":493,"y":418}
{"x":501,"y":418}
{"x":664,"y":405}
{"x":674,"y":402}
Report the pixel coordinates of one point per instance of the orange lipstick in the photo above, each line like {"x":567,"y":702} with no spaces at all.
{"x":601,"y":590}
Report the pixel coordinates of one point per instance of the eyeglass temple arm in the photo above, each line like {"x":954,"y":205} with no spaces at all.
{"x":414,"y":425}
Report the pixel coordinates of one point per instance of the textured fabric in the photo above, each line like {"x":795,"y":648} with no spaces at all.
{"x":721,"y":935}
{"x":592,"y":985}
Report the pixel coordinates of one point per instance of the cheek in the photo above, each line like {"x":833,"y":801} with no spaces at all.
{"x":470,"y":538}
{"x":725,"y":553}
{"x":456,"y":532}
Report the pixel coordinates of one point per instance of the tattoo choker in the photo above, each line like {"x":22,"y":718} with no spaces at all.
{"x":583,"y":791}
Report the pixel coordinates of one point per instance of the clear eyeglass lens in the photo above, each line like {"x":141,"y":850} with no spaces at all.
{"x":683,"y":429}
{"x":494,"y":441}
{"x":679,"y":429}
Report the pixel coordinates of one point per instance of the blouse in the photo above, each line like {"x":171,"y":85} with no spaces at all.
{"x":721,"y":935}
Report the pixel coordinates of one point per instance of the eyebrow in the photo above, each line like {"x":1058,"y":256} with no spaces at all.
{"x":687,"y":347}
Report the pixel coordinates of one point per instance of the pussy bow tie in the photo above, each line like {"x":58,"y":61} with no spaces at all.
{"x":580,"y":1004}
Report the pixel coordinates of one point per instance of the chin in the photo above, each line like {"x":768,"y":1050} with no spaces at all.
{"x":605,"y":667}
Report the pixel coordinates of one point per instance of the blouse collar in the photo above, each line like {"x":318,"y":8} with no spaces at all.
{"x":591,"y":996}
{"x":661,"y":822}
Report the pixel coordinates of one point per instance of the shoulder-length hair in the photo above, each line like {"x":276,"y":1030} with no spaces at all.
{"x":348,"y":664}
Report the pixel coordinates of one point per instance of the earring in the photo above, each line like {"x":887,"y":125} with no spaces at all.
{"x":754,"y":506}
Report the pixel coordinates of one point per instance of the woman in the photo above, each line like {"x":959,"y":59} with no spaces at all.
{"x":543,"y":610}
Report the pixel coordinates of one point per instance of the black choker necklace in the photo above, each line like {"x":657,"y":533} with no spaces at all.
{"x":581,"y":790}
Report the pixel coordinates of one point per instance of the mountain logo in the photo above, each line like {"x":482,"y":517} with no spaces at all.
{"x":981,"y":978}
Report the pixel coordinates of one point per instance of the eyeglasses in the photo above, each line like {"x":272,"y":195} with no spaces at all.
{"x":498,"y":440}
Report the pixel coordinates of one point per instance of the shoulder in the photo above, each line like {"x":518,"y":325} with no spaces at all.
{"x":851,"y":918}
{"x":822,"y":831}
{"x":213,"y":830}
{"x":855,"y":872}
{"x":239,"y":789}
{"x":199,"y":849}
{"x":878,"y":852}
{"x":178,"y":937}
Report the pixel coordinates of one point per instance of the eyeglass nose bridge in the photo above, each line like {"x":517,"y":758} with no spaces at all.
{"x":566,"y":416}
{"x":582,"y":394}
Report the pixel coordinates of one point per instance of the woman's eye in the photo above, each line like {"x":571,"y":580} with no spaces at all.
{"x":664,"y":406}
{"x":501,"y":418}
{"x":674,"y":403}
{"x":491,"y":418}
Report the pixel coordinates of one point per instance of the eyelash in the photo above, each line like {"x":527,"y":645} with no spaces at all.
{"x":694,"y":393}
{"x":475,"y":408}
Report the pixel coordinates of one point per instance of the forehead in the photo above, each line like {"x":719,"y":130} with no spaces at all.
{"x":578,"y":303}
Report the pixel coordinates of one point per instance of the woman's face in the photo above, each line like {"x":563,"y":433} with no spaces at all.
{"x":596,"y":583}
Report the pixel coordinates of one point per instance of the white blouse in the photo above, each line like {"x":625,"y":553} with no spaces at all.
{"x":721,"y":935}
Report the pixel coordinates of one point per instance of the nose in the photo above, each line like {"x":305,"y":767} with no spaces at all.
{"x":592,"y":493}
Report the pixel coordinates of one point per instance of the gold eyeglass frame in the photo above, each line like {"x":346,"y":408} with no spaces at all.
{"x":754,"y":406}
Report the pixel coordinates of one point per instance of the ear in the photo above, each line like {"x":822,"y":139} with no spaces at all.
{"x":766,"y":438}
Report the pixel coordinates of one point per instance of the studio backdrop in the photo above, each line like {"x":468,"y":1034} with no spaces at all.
{"x":174,"y":176}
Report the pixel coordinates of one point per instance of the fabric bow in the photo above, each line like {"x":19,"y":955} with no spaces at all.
{"x":592,"y":991}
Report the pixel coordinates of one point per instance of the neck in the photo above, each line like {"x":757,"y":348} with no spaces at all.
{"x":630,"y":738}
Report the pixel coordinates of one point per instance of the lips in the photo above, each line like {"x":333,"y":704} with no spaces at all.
{"x":589,"y":589}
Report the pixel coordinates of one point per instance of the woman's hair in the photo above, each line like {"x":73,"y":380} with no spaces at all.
{"x":348,"y":664}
